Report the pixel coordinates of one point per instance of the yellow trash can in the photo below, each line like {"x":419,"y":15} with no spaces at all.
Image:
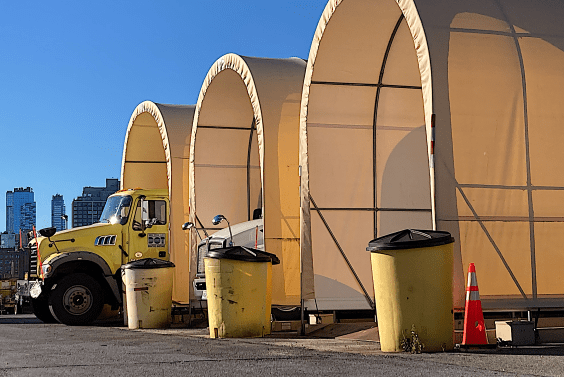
{"x":148,"y":293}
{"x":239,"y":289}
{"x":412,"y":271}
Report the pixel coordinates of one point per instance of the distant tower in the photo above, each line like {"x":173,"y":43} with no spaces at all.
{"x":58,"y":210}
{"x":86,"y":209}
{"x":20,"y":210}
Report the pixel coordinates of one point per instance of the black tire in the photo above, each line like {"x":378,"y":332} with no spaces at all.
{"x":41,"y":310}
{"x":76,"y":300}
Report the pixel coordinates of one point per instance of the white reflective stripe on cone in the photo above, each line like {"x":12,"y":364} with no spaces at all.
{"x":472,"y":295}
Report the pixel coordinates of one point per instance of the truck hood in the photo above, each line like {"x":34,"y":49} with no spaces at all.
{"x":76,"y":239}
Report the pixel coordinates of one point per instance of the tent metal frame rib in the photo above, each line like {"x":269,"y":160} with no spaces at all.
{"x":145,"y":162}
{"x":253,"y":127}
{"x":373,"y":209}
{"x":225,"y":128}
{"x":379,"y":85}
{"x":375,"y":118}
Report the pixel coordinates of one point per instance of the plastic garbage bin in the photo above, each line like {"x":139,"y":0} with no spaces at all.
{"x":412,"y":271}
{"x":148,"y":292}
{"x":239,"y":289}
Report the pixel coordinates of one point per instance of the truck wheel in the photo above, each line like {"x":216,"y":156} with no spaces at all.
{"x":76,"y":299}
{"x":41,"y":310}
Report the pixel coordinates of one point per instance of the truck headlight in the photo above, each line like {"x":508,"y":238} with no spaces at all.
{"x":46,"y":269}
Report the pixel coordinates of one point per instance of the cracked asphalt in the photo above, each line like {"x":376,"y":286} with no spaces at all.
{"x":31,"y":348}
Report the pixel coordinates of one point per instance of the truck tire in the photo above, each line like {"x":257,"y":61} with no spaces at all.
{"x":76,"y":300}
{"x":41,"y":310}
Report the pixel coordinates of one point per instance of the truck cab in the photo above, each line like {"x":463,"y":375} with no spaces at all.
{"x":75,"y":272}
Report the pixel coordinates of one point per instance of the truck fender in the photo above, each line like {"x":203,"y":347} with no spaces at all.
{"x":87,"y":256}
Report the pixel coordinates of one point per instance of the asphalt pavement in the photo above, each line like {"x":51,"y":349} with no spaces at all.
{"x":32,"y":348}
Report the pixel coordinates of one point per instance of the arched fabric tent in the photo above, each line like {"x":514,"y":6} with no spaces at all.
{"x":155,"y":156}
{"x":435,"y":114}
{"x":244,"y":156}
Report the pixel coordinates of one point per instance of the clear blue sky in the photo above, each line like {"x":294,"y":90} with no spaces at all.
{"x":72,"y":72}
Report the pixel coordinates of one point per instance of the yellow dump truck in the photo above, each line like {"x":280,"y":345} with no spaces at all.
{"x":75,"y":272}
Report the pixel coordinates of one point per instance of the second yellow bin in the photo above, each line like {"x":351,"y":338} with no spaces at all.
{"x":412,"y":271}
{"x":239,"y":290}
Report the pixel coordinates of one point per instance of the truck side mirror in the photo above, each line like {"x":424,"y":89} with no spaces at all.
{"x":48,"y":232}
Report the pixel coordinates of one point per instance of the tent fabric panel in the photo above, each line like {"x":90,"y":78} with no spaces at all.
{"x":180,"y":239}
{"x":402,"y":179}
{"x":222,"y":191}
{"x":348,"y":51}
{"x":146,"y":176}
{"x":493,"y":203}
{"x":545,"y":91}
{"x":226,"y":102}
{"x":399,"y":107}
{"x":286,"y":277}
{"x":394,"y":221}
{"x":341,"y":167}
{"x":178,"y":124}
{"x":401,"y":64}
{"x":546,"y":205}
{"x":486,"y":103}
{"x":279,"y":84}
{"x":548,"y":240}
{"x":327,"y":259}
{"x":178,"y":121}
{"x":336,"y":105}
{"x":218,"y":147}
{"x":512,"y":241}
{"x":145,"y":144}
{"x":475,"y":21}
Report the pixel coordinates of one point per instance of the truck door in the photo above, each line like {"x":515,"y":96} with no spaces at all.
{"x":148,"y":235}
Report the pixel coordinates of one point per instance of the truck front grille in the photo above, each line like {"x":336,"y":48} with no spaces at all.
{"x":33,"y":260}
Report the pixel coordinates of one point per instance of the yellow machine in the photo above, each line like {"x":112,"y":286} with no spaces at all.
{"x":76,"y":271}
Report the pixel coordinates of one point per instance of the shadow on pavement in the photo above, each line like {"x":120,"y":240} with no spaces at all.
{"x":30,"y":319}
{"x":19,"y":319}
{"x":554,"y":349}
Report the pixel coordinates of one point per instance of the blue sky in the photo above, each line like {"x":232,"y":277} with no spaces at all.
{"x":72,"y":72}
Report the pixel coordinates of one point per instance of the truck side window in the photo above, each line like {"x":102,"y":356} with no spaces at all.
{"x":157,"y":210}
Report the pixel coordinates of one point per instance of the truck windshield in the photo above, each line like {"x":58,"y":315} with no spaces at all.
{"x":116,"y":210}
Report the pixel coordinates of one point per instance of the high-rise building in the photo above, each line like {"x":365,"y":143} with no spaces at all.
{"x":58,"y":211}
{"x":14,"y":263}
{"x":86,"y":209}
{"x":20,"y":210}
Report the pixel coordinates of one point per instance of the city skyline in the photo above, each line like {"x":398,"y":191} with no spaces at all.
{"x":70,"y":87}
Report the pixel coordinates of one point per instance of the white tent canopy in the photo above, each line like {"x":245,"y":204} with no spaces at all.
{"x":244,"y":156}
{"x":380,"y":75}
{"x":155,"y":156}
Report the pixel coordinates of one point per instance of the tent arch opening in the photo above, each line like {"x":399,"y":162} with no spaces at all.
{"x":244,"y":157}
{"x":364,"y":151}
{"x":155,"y":156}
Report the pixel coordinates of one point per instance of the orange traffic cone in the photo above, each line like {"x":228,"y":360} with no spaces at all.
{"x":474,"y":327}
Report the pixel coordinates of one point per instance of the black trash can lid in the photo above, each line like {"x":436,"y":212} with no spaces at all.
{"x":242,"y":253}
{"x":148,"y":263}
{"x":410,"y":239}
